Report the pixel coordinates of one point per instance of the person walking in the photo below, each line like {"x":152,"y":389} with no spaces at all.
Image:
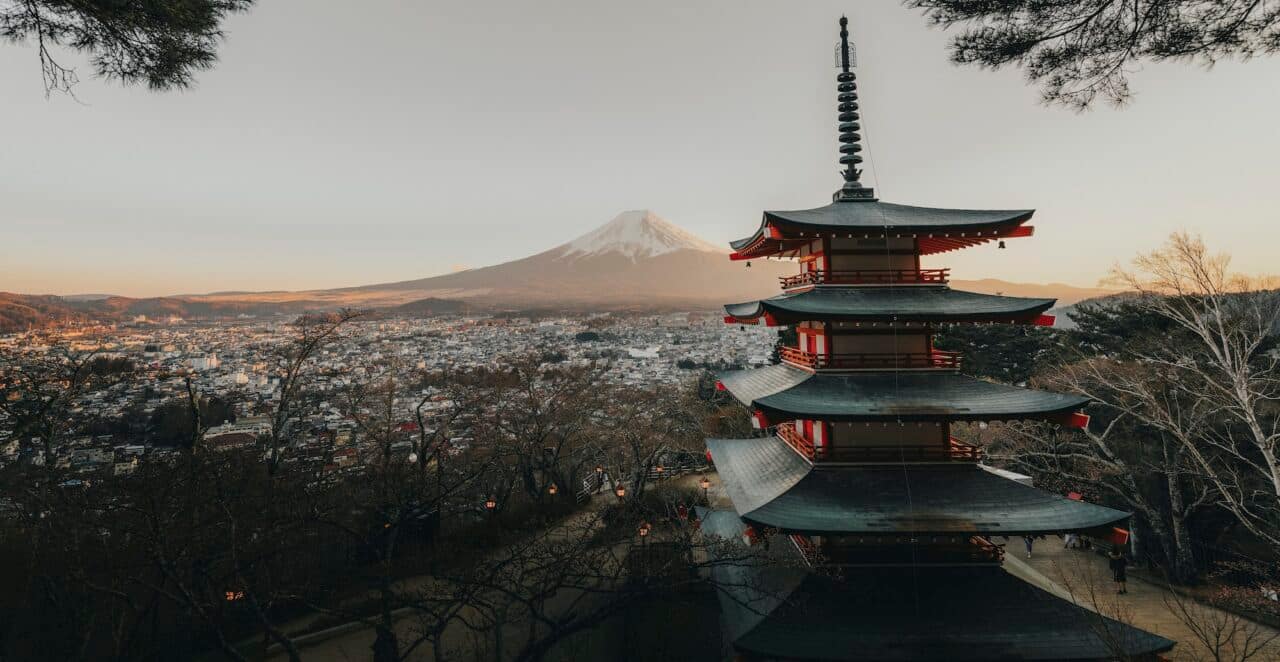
{"x":1028,"y":541}
{"x":1118,"y":564}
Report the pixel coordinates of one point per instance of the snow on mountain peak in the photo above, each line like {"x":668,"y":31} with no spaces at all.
{"x":636,"y":234}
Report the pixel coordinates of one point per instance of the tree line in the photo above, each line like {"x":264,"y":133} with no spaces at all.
{"x":1182,"y":372}
{"x":459,"y":532}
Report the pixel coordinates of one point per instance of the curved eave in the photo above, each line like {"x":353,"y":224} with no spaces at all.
{"x":884,"y":304}
{"x":774,"y":488}
{"x":783,"y":393}
{"x":920,"y":613}
{"x":938,"y":230}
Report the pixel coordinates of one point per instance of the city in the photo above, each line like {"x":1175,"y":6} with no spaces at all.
{"x":235,"y":362}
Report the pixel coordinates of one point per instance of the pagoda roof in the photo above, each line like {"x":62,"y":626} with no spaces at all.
{"x":939,"y":230}
{"x":913,"y":303}
{"x":907,"y":613}
{"x":784,"y":392}
{"x":774,"y":487}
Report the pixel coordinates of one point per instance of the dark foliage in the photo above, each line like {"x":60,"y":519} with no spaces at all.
{"x":172,"y":425}
{"x":1009,"y":354}
{"x":1077,"y":50}
{"x":158,"y":42}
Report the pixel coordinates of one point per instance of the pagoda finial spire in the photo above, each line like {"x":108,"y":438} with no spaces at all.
{"x":850,"y":139}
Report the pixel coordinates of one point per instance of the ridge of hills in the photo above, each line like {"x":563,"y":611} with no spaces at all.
{"x":637,"y":260}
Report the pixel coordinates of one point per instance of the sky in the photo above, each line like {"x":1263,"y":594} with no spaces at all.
{"x":341,"y":144}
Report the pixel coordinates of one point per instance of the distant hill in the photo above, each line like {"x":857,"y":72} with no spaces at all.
{"x":428,"y":307}
{"x":1065,"y":294}
{"x":19,"y":312}
{"x":23,"y":311}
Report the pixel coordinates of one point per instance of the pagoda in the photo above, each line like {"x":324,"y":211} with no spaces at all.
{"x":890,"y":519}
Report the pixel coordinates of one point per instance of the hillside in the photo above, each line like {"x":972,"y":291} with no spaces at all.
{"x":636,"y":261}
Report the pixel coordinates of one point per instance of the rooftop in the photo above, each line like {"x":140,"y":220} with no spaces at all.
{"x":883,"y":304}
{"x":784,"y":393}
{"x":907,"y":613}
{"x":774,"y":487}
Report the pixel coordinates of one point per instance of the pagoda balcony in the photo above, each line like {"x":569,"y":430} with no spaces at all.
{"x":867,"y":277}
{"x":953,"y":451}
{"x":935,"y":360}
{"x":898,"y":550}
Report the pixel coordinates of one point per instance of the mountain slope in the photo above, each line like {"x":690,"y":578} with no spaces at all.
{"x":637,"y":258}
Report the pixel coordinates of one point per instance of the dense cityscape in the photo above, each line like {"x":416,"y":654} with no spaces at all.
{"x":232,"y":361}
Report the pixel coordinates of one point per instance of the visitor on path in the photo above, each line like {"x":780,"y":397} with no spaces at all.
{"x":1118,"y":563}
{"x":1028,"y":541}
{"x":1070,"y":541}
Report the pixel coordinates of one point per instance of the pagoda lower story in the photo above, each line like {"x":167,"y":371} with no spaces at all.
{"x":886,"y":518}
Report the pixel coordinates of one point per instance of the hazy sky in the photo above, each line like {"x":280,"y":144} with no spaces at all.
{"x":341,"y":143}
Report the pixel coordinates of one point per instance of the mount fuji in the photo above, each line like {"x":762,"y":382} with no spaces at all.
{"x":636,"y":259}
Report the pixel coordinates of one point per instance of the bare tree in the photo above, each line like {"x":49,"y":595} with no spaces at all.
{"x":1220,"y":635}
{"x":1148,"y":474}
{"x":312,"y":333}
{"x":39,"y":392}
{"x":1218,"y":392}
{"x":644,"y":428}
{"x":541,"y":423}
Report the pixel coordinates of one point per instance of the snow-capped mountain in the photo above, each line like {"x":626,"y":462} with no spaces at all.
{"x":636,"y":259}
{"x":637,"y":234}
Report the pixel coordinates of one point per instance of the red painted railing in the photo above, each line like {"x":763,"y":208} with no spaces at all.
{"x":871,"y":361}
{"x":885,"y":549}
{"x":989,"y":549}
{"x":808,"y":551}
{"x":787,"y":432}
{"x":953,"y":451}
{"x":867,"y":277}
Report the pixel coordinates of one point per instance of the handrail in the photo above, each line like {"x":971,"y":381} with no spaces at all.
{"x":953,"y":451}
{"x":787,"y":432}
{"x":808,"y":551}
{"x":871,"y":360}
{"x":867,"y":277}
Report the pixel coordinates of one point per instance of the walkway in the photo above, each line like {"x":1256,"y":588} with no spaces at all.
{"x":1084,"y":577}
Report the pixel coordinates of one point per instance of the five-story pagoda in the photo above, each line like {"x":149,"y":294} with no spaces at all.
{"x":890,"y":516}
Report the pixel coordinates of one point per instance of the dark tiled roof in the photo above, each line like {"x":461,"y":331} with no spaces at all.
{"x":907,"y":613}
{"x":785,"y":393}
{"x":876,"y":216}
{"x":772,"y":486}
{"x":908,"y":304}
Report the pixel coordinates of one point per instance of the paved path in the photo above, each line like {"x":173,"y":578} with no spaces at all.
{"x":1084,"y":577}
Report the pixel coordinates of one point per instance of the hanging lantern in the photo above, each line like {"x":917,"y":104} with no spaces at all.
{"x":490,"y":504}
{"x":552,"y":489}
{"x":620,"y":491}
